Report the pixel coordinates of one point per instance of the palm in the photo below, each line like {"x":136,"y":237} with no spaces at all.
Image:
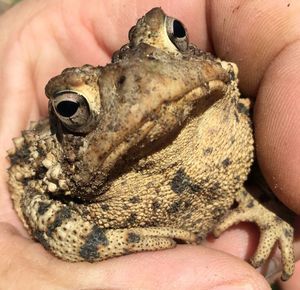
{"x":50,"y":36}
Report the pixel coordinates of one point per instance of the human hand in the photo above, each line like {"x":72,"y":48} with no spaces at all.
{"x":40,"y":38}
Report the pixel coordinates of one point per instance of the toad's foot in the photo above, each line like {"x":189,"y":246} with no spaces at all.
{"x":132,"y":240}
{"x":272,"y":229}
{"x":68,"y":235}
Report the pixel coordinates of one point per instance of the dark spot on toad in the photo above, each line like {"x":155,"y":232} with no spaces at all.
{"x":134,"y":199}
{"x":250,"y":204}
{"x":187,"y":204}
{"x":226,"y":162}
{"x":43,"y":207}
{"x":234,"y":205}
{"x":217,"y":212}
{"x":21,"y":155}
{"x":277,"y":220}
{"x":265,"y":227}
{"x":174,"y":207}
{"x":245,"y":193}
{"x":133,"y":238}
{"x":39,"y":236}
{"x":104,"y":206}
{"x":242,"y":109}
{"x":237,"y":119}
{"x":155,"y":205}
{"x":237,"y":178}
{"x":132,"y":218}
{"x":25,"y":181}
{"x":181,"y":183}
{"x":60,"y":217}
{"x":288,"y":233}
{"x":89,"y":250}
{"x":215,"y":186}
{"x":125,"y":206}
{"x":207,"y":151}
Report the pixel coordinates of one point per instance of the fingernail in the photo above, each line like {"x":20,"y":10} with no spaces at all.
{"x":234,"y":287}
{"x":272,"y":268}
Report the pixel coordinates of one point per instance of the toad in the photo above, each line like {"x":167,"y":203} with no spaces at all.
{"x":151,"y":149}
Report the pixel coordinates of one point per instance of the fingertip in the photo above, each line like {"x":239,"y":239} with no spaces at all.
{"x":294,"y":282}
{"x":251,"y":34}
{"x":277,"y":126}
{"x":185,"y":267}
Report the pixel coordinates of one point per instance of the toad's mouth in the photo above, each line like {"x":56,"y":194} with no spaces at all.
{"x":156,"y":130}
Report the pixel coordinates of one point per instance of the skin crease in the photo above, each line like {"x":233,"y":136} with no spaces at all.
{"x":40,"y":38}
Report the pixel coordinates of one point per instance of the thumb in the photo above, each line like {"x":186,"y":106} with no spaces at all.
{"x":185,"y":267}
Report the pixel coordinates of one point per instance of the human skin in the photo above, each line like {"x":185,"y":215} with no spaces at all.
{"x":40,"y":38}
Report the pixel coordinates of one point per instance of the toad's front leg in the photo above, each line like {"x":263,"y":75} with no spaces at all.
{"x":272,"y":229}
{"x":68,"y":235}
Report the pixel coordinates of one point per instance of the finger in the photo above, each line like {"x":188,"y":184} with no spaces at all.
{"x":242,"y":240}
{"x":185,"y":267}
{"x":262,"y":38}
{"x":294,"y":282}
{"x":252,"y":33}
{"x":277,"y":125}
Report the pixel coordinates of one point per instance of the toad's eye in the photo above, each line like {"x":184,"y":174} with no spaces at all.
{"x":177,"y":33}
{"x":67,"y":109}
{"x":72,"y":109}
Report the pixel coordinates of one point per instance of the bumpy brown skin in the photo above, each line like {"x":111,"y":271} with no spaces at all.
{"x":158,"y":150}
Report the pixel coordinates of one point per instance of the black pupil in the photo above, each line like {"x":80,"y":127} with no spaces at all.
{"x":178,"y":29}
{"x":67,"y":108}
